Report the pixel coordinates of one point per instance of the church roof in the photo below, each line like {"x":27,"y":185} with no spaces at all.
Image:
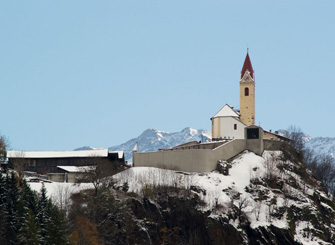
{"x":226,"y":111}
{"x":247,"y":67}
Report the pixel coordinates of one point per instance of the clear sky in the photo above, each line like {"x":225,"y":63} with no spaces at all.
{"x":98,"y":73}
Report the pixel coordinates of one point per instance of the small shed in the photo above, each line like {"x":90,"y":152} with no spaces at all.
{"x":70,"y":174}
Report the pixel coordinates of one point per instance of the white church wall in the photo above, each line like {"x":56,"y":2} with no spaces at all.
{"x":228,"y":127}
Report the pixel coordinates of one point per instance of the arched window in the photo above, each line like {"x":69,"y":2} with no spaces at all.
{"x":246,"y":92}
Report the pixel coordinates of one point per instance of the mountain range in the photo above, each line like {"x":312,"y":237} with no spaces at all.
{"x":322,"y":145}
{"x":152,"y":140}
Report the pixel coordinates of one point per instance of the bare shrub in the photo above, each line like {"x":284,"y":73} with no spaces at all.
{"x":18,"y":162}
{"x":62,"y":197}
{"x":296,"y":135}
{"x":239,"y":203}
{"x":3,"y":148}
{"x":323,"y":167}
{"x":271,"y":170}
{"x":97,"y":169}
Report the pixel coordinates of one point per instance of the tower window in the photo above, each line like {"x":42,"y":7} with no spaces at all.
{"x":235,"y":126}
{"x":246,"y":91}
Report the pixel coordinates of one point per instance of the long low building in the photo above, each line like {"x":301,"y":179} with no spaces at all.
{"x":44,"y":162}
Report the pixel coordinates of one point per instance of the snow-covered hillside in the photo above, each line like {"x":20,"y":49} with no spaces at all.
{"x":152,"y":140}
{"x":268,"y":199}
{"x":265,"y":193}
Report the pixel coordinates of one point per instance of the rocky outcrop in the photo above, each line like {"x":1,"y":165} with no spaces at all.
{"x":176,"y":220}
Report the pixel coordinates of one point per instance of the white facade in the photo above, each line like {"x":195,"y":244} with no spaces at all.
{"x":226,"y":124}
{"x":227,"y":127}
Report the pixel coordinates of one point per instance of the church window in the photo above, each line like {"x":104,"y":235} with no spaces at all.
{"x":235,"y":126}
{"x":246,"y":91}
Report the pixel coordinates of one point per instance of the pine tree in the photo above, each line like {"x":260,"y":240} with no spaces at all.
{"x":2,"y":210}
{"x":30,"y":231}
{"x":43,"y":214}
{"x":56,"y":226}
{"x":51,"y":220}
{"x":11,"y":212}
{"x":28,"y":197}
{"x":28,"y":218}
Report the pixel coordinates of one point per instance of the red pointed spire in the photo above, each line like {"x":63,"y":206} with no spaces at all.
{"x":247,"y":66}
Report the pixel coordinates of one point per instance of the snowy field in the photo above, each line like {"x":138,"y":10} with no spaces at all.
{"x":54,"y":188}
{"x":60,"y":193}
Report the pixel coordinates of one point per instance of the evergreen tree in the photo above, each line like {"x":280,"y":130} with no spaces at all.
{"x":51,"y":220}
{"x":30,"y":231}
{"x":43,"y":214}
{"x":28,"y":197}
{"x":28,"y":218}
{"x":2,"y":210}
{"x":11,"y":212}
{"x":56,"y":226}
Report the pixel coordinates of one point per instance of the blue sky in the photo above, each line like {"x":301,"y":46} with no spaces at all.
{"x":98,"y":73}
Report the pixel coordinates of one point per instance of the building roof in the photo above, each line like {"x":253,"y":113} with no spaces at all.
{"x":59,"y":154}
{"x":277,"y":135}
{"x":119,"y":153}
{"x":247,"y":67}
{"x":226,"y":111}
{"x":76,"y":169}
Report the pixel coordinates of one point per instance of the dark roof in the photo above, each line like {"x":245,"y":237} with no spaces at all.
{"x":247,"y":67}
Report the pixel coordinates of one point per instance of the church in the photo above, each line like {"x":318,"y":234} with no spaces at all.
{"x":233,"y":131}
{"x":228,"y":123}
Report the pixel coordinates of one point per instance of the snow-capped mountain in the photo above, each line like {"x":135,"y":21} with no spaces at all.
{"x":319,"y":145}
{"x":322,"y":145}
{"x":85,"y":148}
{"x":152,"y":140}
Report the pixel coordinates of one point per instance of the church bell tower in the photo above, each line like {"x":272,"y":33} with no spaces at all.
{"x":247,"y":93}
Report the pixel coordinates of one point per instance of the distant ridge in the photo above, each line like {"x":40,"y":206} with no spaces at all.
{"x":322,"y":145}
{"x":84,"y":148}
{"x":152,"y":140}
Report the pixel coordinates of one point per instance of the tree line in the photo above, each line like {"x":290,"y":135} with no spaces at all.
{"x":27,"y":217}
{"x":321,"y":165}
